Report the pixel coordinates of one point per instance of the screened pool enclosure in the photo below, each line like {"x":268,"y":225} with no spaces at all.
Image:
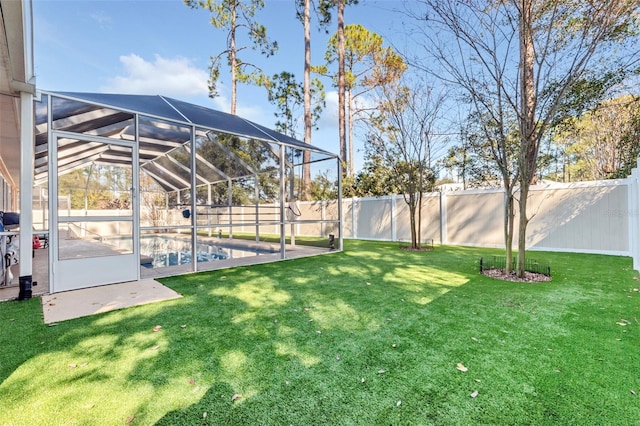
{"x":134,"y":186}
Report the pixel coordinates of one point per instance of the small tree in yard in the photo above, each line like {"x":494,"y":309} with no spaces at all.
{"x":401,"y":138}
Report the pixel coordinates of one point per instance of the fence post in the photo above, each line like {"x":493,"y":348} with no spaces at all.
{"x":354,"y":217}
{"x":633,"y":206}
{"x":394,"y":233}
{"x":443,"y":217}
{"x":323,"y":216}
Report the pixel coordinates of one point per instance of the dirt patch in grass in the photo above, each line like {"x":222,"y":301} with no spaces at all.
{"x":529,"y":277}
{"x":409,"y":248}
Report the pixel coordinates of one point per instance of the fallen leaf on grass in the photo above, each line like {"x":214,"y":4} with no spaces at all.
{"x":236,"y":396}
{"x":474,"y":394}
{"x":192,"y":382}
{"x":130,"y":419}
{"x":157,"y":328}
{"x":73,"y":365}
{"x":461,"y":367}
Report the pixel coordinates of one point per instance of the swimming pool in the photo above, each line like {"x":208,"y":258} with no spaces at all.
{"x":160,"y":251}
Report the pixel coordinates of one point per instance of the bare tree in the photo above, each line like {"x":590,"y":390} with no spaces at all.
{"x":401,"y":137}
{"x":520,"y":59}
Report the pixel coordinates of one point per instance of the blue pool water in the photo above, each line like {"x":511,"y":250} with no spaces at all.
{"x":166,"y":251}
{"x":171,"y":251}
{"x":159,"y":251}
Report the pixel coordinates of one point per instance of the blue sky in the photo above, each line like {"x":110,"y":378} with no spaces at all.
{"x":164,"y":47}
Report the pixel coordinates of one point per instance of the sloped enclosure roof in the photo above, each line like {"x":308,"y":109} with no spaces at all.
{"x":164,"y":126}
{"x":176,"y":110}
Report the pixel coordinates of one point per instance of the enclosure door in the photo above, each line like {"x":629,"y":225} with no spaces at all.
{"x":93,"y":222}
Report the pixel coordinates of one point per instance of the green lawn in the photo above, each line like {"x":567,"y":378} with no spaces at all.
{"x":369,"y":336}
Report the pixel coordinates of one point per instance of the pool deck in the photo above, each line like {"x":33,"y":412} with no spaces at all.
{"x":95,"y":300}
{"x":269,"y":252}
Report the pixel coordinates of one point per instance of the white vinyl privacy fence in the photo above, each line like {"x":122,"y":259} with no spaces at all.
{"x":587,"y":217}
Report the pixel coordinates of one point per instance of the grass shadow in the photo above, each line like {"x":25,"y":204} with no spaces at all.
{"x":371,"y":335}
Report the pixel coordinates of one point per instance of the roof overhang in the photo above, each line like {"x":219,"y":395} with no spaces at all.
{"x":16,"y":76}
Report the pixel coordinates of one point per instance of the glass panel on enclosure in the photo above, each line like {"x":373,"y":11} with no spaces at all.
{"x":312,"y":187}
{"x":94,"y":182}
{"x":82,"y":239}
{"x":168,"y":250}
{"x":81,"y":117}
{"x":96,"y":190}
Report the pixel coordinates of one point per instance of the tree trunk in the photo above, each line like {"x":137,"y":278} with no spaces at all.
{"x":509,"y":218}
{"x":306,"y":173}
{"x":528,"y":138}
{"x":341,"y":85}
{"x":522,"y":231}
{"x":234,"y":60}
{"x":419,"y":227}
{"x":350,"y":118}
{"x":412,"y":219}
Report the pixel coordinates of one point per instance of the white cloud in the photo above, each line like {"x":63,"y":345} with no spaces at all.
{"x":171,"y":77}
{"x":103,"y":20}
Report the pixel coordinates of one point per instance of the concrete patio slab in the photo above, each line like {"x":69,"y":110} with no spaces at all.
{"x":89,"y":301}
